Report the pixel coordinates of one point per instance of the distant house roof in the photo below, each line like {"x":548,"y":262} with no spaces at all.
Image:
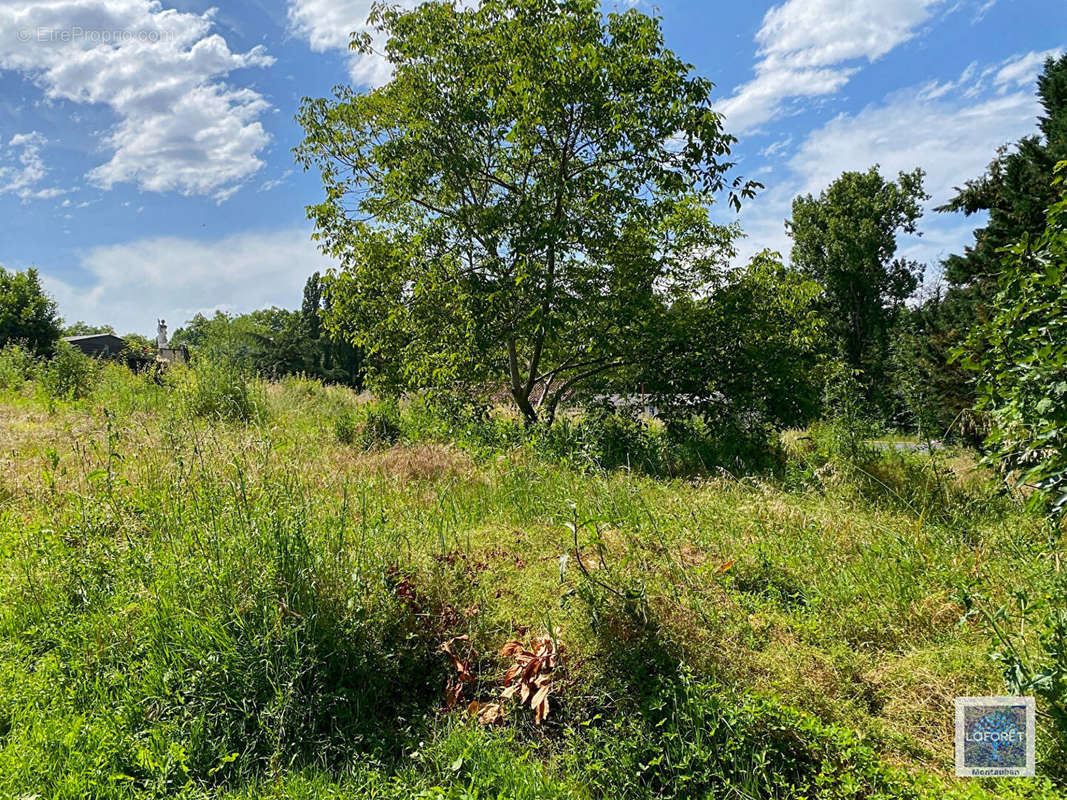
{"x":98,"y":344}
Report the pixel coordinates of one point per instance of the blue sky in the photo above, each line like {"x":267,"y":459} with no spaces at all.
{"x":145,"y":164}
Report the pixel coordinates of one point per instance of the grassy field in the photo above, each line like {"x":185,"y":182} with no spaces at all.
{"x":191,"y":607}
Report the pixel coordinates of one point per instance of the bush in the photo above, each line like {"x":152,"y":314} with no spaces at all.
{"x":689,"y":739}
{"x":1021,"y":356}
{"x":611,"y":438}
{"x":346,"y":427}
{"x":381,"y":427}
{"x":17,"y":365}
{"x":842,"y":437}
{"x":219,"y":391}
{"x":69,"y":374}
{"x":737,"y":446}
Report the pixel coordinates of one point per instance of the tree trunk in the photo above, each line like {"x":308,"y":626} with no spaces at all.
{"x":519,"y":393}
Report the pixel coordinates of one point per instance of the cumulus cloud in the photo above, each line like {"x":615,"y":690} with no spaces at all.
{"x":951,"y":133}
{"x":130,"y":285}
{"x":180,"y":126}
{"x":329,"y":24}
{"x":808,"y":48}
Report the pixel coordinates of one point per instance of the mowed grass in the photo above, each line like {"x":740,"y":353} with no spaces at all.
{"x":199,"y":608}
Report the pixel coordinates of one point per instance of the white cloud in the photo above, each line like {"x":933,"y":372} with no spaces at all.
{"x":979,"y":15}
{"x":777,"y":148}
{"x":180,"y":127}
{"x":329,"y":25}
{"x":950,"y":134}
{"x":804,"y":47}
{"x":1022,"y":70}
{"x":132,"y":284}
{"x":951,"y":141}
{"x":274,"y":183}
{"x":22,"y":168}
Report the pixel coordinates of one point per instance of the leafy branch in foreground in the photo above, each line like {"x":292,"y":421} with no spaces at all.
{"x":523,"y":198}
{"x":1021,"y":354}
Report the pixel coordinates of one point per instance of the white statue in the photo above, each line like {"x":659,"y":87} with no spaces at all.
{"x":161,"y":335}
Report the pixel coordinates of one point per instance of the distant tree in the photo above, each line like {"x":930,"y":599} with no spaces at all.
{"x":929,"y":392}
{"x":846,"y":239}
{"x":1016,"y":192}
{"x":139,"y":342}
{"x":534,"y":178}
{"x":80,"y":328}
{"x":754,"y":348}
{"x":311,"y":307}
{"x":202,"y":331}
{"x":1021,"y":356}
{"x":272,"y":342}
{"x":27,"y":314}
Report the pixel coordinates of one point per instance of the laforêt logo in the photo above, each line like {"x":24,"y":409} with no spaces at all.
{"x":994,"y":736}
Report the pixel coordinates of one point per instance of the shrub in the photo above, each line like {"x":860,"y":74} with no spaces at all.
{"x":381,"y":426}
{"x":69,"y":374}
{"x":689,"y":739}
{"x":1021,"y":356}
{"x":377,"y":425}
{"x":739,"y":446}
{"x":842,"y":436}
{"x":17,"y":365}
{"x":613,"y":438}
{"x":346,"y":427}
{"x":220,"y":391}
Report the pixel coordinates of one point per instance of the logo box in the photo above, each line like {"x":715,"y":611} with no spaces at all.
{"x":995,"y":737}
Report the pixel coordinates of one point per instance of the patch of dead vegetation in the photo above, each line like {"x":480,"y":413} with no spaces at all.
{"x":919,"y":703}
{"x":421,"y":462}
{"x":403,"y":462}
{"x":936,"y":612}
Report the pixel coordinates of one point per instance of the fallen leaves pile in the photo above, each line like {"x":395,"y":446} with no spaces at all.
{"x":529,"y":676}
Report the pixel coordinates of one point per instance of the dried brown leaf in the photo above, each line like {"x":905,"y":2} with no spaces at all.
{"x":453,"y":692}
{"x":510,"y":648}
{"x":490,"y":713}
{"x":538,"y":698}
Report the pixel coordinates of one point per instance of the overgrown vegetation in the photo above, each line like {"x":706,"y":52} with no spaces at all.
{"x":210,"y":605}
{"x":1023,"y":362}
{"x":620,"y":522}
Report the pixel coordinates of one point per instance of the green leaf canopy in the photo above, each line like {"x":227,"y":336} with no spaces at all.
{"x":529,"y":188}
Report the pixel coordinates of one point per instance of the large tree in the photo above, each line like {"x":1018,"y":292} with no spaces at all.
{"x":27,"y":314}
{"x":846,"y":240}
{"x":1016,"y":191}
{"x":1021,"y":355}
{"x":526,"y":191}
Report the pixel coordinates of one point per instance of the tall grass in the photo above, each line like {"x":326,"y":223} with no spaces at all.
{"x":218,"y":390}
{"x":191,"y":606}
